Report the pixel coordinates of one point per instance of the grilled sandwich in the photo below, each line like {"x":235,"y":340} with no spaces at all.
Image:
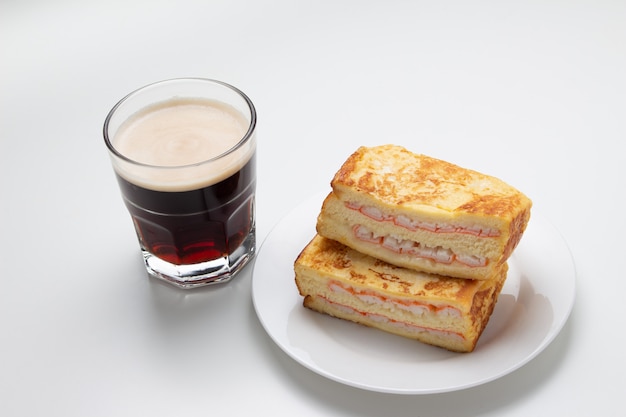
{"x":423,"y":213}
{"x":450,"y":313}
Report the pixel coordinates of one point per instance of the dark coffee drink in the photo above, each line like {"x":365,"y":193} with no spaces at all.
{"x":186,"y":166}
{"x":189,"y":227}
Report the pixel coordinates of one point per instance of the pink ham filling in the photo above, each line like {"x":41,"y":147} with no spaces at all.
{"x":410,"y":224}
{"x":437,"y":254}
{"x":401,"y":324}
{"x":372,"y":297}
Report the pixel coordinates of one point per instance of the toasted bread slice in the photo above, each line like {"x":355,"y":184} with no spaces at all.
{"x":423,"y":213}
{"x":446,"y":312}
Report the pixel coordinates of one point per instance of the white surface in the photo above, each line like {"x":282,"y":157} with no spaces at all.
{"x":534,"y":304}
{"x":533,"y":92}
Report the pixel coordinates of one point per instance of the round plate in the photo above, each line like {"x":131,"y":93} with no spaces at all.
{"x":535,"y":303}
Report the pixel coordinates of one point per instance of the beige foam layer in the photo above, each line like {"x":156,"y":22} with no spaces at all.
{"x":182,"y":144}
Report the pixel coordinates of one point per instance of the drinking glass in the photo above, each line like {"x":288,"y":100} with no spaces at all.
{"x":184,"y":155}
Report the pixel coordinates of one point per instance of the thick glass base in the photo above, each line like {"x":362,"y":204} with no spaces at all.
{"x":205,"y":273}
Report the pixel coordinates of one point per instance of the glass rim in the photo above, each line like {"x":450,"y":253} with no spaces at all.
{"x":244,"y":139}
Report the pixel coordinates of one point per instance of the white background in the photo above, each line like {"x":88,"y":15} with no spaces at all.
{"x":533,"y":92}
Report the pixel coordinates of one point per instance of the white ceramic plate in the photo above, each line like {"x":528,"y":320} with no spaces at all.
{"x":533,"y":307}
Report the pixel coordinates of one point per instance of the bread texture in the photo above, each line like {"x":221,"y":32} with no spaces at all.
{"x":450,"y":313}
{"x":423,"y":213}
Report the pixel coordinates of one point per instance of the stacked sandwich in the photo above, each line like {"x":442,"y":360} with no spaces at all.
{"x":412,"y":245}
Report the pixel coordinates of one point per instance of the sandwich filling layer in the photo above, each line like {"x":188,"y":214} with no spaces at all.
{"x":390,"y":324}
{"x":437,"y":254}
{"x":473,"y":253}
{"x":413,"y":307}
{"x":413,"y":224}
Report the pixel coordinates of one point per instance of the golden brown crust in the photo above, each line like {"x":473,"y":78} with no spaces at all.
{"x":397,"y":177}
{"x":516,"y":230}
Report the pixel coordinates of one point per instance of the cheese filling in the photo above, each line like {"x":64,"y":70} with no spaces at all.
{"x":404,"y":246}
{"x":412,"y":224}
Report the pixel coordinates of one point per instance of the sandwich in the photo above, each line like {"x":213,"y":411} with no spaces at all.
{"x":450,"y":313}
{"x":423,"y":213}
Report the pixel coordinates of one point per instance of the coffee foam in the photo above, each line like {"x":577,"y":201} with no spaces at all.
{"x":174,"y":144}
